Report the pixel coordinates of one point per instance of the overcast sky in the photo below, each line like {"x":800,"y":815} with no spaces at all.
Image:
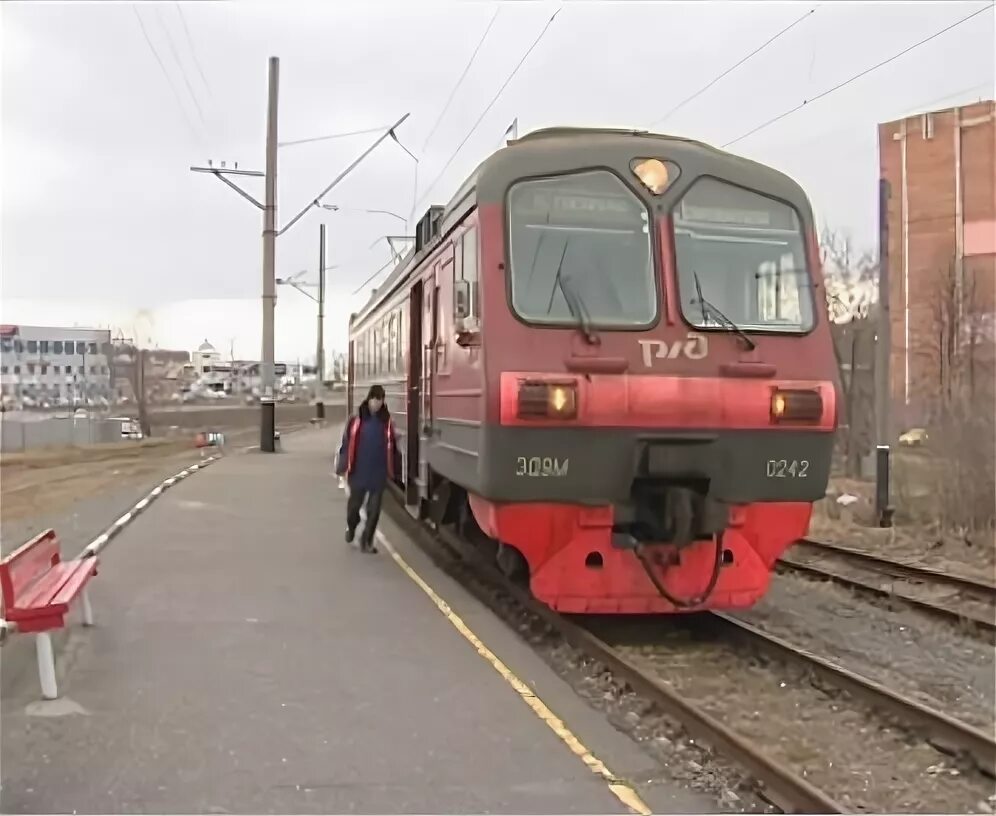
{"x":102,"y":222}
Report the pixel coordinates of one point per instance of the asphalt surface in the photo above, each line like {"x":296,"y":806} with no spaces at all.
{"x":246,"y":660}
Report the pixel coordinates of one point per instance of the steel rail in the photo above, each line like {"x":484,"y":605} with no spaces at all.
{"x":941,"y":729}
{"x":779,"y":784}
{"x":891,"y":590}
{"x":905,"y":568}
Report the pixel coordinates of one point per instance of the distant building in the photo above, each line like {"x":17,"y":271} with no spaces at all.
{"x":942,"y":253}
{"x":205,"y":358}
{"x":56,"y":366}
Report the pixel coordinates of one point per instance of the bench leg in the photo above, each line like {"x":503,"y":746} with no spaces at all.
{"x":87,"y":609}
{"x":46,"y":666}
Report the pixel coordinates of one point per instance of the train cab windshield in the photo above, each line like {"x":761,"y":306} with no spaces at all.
{"x":581,"y":243}
{"x":745,"y":253}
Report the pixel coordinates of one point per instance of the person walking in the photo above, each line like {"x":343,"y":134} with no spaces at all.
{"x":366,"y":459}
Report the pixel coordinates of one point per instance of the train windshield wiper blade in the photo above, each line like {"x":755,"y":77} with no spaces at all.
{"x":705,"y":305}
{"x":578,"y":309}
{"x":572,"y":297}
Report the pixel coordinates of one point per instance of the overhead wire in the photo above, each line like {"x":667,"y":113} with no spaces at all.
{"x":334,"y":136}
{"x":463,"y":76}
{"x":169,"y":79}
{"x":490,"y":105}
{"x":732,"y":68}
{"x":908,"y":111}
{"x":859,"y":75}
{"x":912,"y":110}
{"x":193,"y":51}
{"x":390,"y":263}
{"x":179,"y":63}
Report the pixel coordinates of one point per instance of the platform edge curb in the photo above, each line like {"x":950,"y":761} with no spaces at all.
{"x":92,"y":549}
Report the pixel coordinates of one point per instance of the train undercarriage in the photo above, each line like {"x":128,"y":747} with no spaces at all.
{"x":668,"y":551}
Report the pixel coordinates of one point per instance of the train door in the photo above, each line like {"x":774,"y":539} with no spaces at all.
{"x":414,"y":418}
{"x":430,"y":340}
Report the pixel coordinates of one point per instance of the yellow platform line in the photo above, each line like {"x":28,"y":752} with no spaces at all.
{"x":622,"y":791}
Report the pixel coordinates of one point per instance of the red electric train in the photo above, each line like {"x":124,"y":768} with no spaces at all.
{"x":610,"y":354}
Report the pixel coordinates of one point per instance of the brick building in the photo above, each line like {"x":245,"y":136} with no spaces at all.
{"x":941,"y":170}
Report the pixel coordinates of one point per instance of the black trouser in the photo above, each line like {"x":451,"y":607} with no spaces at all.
{"x":353,"y":505}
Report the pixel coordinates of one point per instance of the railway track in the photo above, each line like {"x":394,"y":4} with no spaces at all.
{"x":946,"y":732}
{"x":848,"y":736}
{"x":941,"y":594}
{"x":785,"y":784}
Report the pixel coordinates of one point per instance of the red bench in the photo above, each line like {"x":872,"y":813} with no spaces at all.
{"x":37,"y":589}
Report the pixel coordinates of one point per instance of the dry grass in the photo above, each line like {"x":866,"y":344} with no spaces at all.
{"x":944,"y":496}
{"x":951,"y":486}
{"x":54,"y":457}
{"x":45,"y":485}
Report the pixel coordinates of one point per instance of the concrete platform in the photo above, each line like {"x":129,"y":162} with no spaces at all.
{"x":246,"y":660}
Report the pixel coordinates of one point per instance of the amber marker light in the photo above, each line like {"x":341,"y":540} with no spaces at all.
{"x":796,"y":405}
{"x":539,"y":400}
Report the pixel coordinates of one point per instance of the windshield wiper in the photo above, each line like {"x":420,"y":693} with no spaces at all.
{"x":579,"y":310}
{"x":573,"y":299}
{"x":723,"y":319}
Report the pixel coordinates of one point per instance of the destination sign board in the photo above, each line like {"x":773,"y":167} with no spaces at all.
{"x":567,"y":208}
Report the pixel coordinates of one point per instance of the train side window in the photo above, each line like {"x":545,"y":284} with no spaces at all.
{"x":385,"y":346}
{"x":402,"y":340}
{"x":466,"y":307}
{"x":470,"y":268}
{"x":398,"y":341}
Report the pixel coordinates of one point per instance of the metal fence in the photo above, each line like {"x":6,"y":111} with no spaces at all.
{"x":18,"y":435}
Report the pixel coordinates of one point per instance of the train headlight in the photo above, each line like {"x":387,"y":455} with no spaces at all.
{"x":548,"y":400}
{"x":796,"y":405}
{"x":653,"y":174}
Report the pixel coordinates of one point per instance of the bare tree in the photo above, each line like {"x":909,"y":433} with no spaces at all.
{"x":850,"y":283}
{"x":954,"y":347}
{"x":131,"y":365}
{"x":955,"y":355}
{"x":850,"y":280}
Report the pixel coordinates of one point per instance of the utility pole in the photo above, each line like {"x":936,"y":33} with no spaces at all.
{"x":303,"y":287}
{"x":267,"y":442}
{"x":268,"y":414}
{"x":143,"y":412}
{"x":232,"y":378}
{"x":883,"y":354}
{"x":320,"y":354}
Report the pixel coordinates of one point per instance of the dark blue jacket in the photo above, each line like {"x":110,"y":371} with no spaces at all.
{"x":366,"y":454}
